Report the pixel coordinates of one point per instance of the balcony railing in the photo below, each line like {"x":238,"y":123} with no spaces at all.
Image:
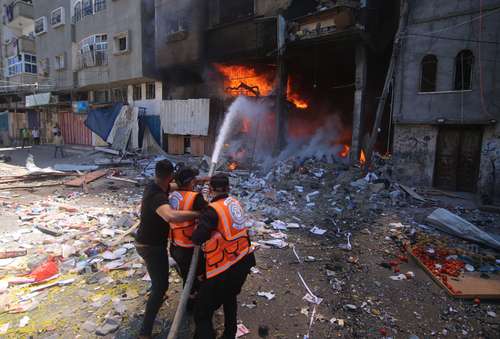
{"x":20,"y":45}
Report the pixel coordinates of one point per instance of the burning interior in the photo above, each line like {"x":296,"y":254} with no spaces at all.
{"x":319,"y":108}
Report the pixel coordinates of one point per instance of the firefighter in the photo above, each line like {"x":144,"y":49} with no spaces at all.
{"x":185,"y":199}
{"x":152,"y":238}
{"x":228,"y":257}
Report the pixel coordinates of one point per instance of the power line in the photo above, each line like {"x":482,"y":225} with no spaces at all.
{"x":480,"y":16}
{"x":450,"y":38}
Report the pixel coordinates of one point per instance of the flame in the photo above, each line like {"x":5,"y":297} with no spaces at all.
{"x":345,"y":151}
{"x":232,"y":166}
{"x":236,"y":75}
{"x":362,"y":158}
{"x":294,"y":97}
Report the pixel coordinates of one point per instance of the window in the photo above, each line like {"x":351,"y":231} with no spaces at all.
{"x":231,"y":10}
{"x":99,"y":5}
{"x":101,"y":96}
{"x":77,"y":12}
{"x":57,"y":17}
{"x":464,"y":63}
{"x":121,"y":43}
{"x":22,"y":63}
{"x":137,"y":92}
{"x":87,"y":8}
{"x":151,"y":91}
{"x":429,"y":72}
{"x":41,"y":25}
{"x":59,"y":62}
{"x":93,"y":51}
{"x":120,"y":94}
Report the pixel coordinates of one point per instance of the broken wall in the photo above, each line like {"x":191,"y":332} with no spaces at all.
{"x":414,"y":153}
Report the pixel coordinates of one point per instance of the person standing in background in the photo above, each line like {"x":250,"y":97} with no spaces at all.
{"x":35,"y":133}
{"x":25,"y":137}
{"x":58,"y":144}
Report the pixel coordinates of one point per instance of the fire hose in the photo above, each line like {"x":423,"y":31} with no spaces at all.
{"x":186,"y":292}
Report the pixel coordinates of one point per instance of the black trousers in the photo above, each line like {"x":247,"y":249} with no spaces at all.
{"x":182,"y":257}
{"x":156,"y":259}
{"x":221,"y":290}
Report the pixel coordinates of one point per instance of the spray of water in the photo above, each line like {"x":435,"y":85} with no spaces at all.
{"x":241,"y":107}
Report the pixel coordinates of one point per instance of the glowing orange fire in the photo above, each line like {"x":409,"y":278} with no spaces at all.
{"x":344,"y":153}
{"x":362,"y":158}
{"x":294,"y":97}
{"x":232,"y":166}
{"x":236,"y":75}
{"x":245,"y":80}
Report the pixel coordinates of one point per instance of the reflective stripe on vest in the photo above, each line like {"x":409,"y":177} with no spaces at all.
{"x":230,"y":242}
{"x":181,"y":232}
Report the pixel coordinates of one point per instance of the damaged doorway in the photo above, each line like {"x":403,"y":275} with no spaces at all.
{"x":458,"y":154}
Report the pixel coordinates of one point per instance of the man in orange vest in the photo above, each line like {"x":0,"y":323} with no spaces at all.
{"x":185,"y":199}
{"x":228,"y":256}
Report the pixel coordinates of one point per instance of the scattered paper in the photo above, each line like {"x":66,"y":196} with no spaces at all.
{"x":278,"y":243}
{"x":267,"y":295}
{"x":279,"y":225}
{"x":4,"y":328}
{"x":318,"y":231}
{"x":24,"y":321}
{"x":312,"y":299}
{"x":242,"y":330}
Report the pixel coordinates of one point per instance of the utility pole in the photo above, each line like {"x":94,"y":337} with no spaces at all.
{"x":358,"y":114}
{"x":281,"y":85}
{"x":403,"y":20}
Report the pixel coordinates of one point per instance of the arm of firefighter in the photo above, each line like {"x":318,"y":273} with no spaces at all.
{"x":170,"y":215}
{"x":208,"y":224}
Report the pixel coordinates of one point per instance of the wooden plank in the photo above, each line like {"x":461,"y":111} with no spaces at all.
{"x":87,"y":178}
{"x":198,"y":145}
{"x":470,"y":284}
{"x":175,"y":144}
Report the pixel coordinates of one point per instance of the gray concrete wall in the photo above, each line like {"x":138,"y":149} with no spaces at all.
{"x":489,"y":173}
{"x":451,"y":20}
{"x":414,"y":153}
{"x":56,"y":41}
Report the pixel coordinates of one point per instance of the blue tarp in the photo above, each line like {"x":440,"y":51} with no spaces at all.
{"x":4,"y":121}
{"x":101,"y":121}
{"x":153,"y":123}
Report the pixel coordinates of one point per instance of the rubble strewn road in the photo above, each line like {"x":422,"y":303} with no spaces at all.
{"x":331,"y":261}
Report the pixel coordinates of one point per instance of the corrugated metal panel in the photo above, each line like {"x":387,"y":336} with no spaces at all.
{"x":185,"y":117}
{"x":74,"y":130}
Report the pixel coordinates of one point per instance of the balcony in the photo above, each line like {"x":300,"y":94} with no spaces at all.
{"x":20,"y":45}
{"x":19,"y":14}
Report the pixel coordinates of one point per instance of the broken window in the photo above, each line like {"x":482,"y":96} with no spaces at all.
{"x":150,"y":91}
{"x":137,"y":92}
{"x":121,"y":43}
{"x":464,"y":62}
{"x":93,"y":51}
{"x":429,"y":73}
{"x":101,"y":96}
{"x":59,"y":62}
{"x":41,"y":25}
{"x":232,"y":10}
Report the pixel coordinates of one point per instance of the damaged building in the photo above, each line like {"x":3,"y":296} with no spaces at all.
{"x":446,"y":105}
{"x":318,"y":63}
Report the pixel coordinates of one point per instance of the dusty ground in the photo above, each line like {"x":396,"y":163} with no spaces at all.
{"x":383,"y":307}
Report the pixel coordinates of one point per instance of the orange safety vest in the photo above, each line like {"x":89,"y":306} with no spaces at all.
{"x":181,"y":232}
{"x":230,"y":242}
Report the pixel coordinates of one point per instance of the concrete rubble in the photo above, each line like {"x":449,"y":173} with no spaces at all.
{"x":343,"y":232}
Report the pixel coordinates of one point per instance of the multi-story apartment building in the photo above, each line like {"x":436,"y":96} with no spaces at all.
{"x":19,"y":75}
{"x":88,"y":53}
{"x":447,"y":102}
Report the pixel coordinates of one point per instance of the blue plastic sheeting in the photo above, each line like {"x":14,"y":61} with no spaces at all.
{"x":154,"y":124}
{"x":101,"y":121}
{"x":4,"y":121}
